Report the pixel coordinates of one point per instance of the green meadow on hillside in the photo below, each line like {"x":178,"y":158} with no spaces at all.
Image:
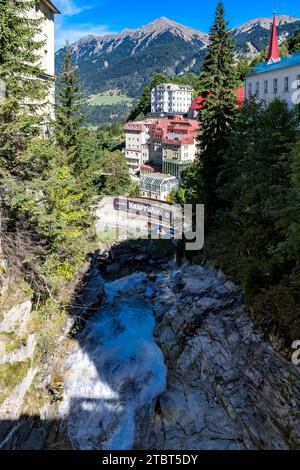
{"x":109,"y":100}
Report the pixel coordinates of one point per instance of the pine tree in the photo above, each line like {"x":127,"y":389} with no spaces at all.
{"x":117,"y":179}
{"x":290,"y":216}
{"x":70,"y":103}
{"x":219,"y":81}
{"x":20,"y":74}
{"x":294,"y":42}
{"x":23,"y":97}
{"x":257,"y":192}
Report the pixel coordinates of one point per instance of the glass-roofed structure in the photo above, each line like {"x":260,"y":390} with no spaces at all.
{"x":158,"y":186}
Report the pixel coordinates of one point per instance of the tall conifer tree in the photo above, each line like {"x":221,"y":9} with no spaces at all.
{"x":20,"y":74}
{"x":219,"y":81}
{"x":69,"y":110}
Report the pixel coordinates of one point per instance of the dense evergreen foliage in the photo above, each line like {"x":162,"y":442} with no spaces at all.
{"x":99,"y":115}
{"x":70,"y":104}
{"x":256,"y":237}
{"x":50,"y":171}
{"x":248,"y":175}
{"x":20,"y":122}
{"x":24,"y":92}
{"x":218,"y":82}
{"x":294,"y":42}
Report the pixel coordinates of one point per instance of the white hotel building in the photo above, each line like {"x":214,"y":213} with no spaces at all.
{"x":171,"y":99}
{"x":277,"y":78}
{"x":46,"y":10}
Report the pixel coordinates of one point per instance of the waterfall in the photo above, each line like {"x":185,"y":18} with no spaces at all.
{"x":115,"y":368}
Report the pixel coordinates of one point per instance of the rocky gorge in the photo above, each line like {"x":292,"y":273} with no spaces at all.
{"x":165,"y":356}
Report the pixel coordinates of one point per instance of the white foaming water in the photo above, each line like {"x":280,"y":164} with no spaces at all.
{"x":116,"y":369}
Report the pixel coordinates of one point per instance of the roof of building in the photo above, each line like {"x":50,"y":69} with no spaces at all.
{"x":137,"y":125}
{"x":150,"y":167}
{"x":197,"y":103}
{"x":178,"y":162}
{"x":292,"y":60}
{"x":158,"y":177}
{"x":173,"y":87}
{"x":179,"y":140}
{"x":159,"y":183}
{"x":240,"y":93}
{"x":51,"y":6}
{"x":273,"y":54}
{"x":161,"y":128}
{"x":200,"y":100}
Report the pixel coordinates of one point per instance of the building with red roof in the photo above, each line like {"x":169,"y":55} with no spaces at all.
{"x":277,"y":77}
{"x":199,"y":101}
{"x":163,"y":143}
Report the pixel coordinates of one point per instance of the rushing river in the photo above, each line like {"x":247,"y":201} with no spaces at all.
{"x":214,"y":384}
{"x":116,"y":368}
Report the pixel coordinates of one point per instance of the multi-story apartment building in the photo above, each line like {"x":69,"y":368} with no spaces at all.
{"x":171,"y":99}
{"x":137,"y":136}
{"x":170,"y":139}
{"x":178,"y":154}
{"x":277,"y":78}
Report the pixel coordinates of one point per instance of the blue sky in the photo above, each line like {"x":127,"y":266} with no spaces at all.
{"x":82,"y":17}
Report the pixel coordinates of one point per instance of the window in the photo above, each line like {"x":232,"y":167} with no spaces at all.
{"x":257,"y":88}
{"x":275,"y":85}
{"x":250,"y":89}
{"x":286,"y":84}
{"x":266,"y":83}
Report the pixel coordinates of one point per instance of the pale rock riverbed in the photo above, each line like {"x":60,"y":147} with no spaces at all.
{"x":171,"y":361}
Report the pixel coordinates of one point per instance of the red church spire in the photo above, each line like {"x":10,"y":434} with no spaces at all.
{"x":273,"y":55}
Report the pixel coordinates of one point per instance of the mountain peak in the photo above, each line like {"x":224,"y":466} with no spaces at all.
{"x":265,"y":23}
{"x":163,"y":21}
{"x":163,"y":24}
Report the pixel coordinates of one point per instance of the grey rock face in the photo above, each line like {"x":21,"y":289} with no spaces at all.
{"x":227,"y":388}
{"x":222,"y":386}
{"x":16,"y":318}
